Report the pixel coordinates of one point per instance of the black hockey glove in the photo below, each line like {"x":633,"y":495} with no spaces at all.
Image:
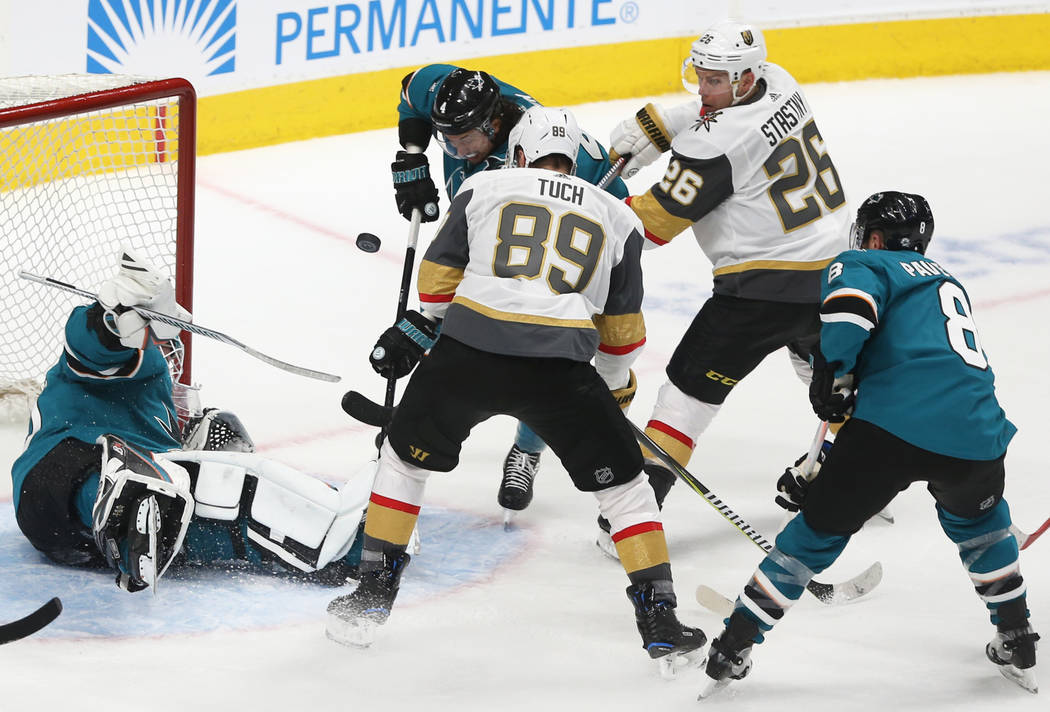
{"x":832,"y":398}
{"x":793,"y":484}
{"x":413,"y":187}
{"x":400,"y":347}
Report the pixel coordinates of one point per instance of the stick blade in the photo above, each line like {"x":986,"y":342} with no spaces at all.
{"x":860,"y":585}
{"x":364,"y":409}
{"x":24,"y":627}
{"x":713,"y":601}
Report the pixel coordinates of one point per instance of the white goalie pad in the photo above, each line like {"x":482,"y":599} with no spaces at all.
{"x":296,"y":517}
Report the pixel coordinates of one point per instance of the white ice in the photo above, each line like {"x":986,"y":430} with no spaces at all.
{"x":276,"y":267}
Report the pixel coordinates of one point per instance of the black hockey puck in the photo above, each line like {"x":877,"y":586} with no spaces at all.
{"x":368,"y":242}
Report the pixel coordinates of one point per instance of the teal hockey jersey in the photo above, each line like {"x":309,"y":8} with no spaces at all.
{"x":417,"y":101}
{"x":904,"y":327}
{"x":98,"y":387}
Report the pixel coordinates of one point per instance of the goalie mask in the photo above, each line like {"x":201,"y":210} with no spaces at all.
{"x":141,"y":513}
{"x":732,"y":47}
{"x":544,"y":131}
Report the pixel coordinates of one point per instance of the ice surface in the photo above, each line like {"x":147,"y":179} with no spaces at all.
{"x":548,"y":625}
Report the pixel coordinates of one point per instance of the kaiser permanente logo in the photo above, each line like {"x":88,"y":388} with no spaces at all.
{"x":161,"y":37}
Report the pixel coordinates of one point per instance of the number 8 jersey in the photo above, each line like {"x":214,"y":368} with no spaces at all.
{"x":903,"y":326}
{"x":526,"y":257}
{"x":757,"y":184}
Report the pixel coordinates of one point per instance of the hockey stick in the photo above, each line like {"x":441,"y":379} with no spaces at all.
{"x":1025,"y":540}
{"x":610,"y":175}
{"x":187,"y":326}
{"x":402,"y":305}
{"x":23,"y":627}
{"x":808,"y":463}
{"x":829,"y":593}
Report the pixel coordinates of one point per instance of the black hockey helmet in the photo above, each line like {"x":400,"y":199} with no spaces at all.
{"x":467,"y":99}
{"x":905,"y":219}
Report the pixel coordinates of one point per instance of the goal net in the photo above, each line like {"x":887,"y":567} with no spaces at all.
{"x":91,"y":164}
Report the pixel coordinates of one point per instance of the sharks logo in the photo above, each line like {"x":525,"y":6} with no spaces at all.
{"x":194,"y":38}
{"x":170,"y":424}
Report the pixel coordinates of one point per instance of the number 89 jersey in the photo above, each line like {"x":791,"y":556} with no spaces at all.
{"x":526,"y":257}
{"x":903,"y":326}
{"x":756,"y":183}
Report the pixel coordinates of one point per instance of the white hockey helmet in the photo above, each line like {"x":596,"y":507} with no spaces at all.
{"x":543,"y":131}
{"x":733,"y":47}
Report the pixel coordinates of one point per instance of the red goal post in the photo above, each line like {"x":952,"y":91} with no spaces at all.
{"x":91,"y":164}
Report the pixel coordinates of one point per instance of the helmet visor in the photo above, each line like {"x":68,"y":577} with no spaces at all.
{"x":706,"y":82}
{"x":468,"y":145}
{"x":856,"y":232}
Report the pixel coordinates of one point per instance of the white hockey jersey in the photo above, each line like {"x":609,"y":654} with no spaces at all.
{"x":757,"y":185}
{"x":526,"y":257}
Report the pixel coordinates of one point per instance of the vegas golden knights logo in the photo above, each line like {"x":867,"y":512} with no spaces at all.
{"x":418,"y":453}
{"x":748,"y":36}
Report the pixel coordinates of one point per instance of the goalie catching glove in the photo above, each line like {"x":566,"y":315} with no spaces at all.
{"x":400,"y":347}
{"x":793,"y":484}
{"x":647,"y":135}
{"x":413,"y":187}
{"x":138,"y":284}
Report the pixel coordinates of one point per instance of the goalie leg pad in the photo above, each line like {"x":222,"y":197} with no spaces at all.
{"x":297,"y":518}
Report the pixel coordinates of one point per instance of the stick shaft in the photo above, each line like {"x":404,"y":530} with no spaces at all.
{"x":187,"y":326}
{"x":610,"y":175}
{"x":402,"y":303}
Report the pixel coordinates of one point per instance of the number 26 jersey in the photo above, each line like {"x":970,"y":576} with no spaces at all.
{"x":756,"y":183}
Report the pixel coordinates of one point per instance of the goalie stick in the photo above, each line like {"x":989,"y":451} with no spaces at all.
{"x":187,"y":326}
{"x":24,"y":627}
{"x":829,"y":593}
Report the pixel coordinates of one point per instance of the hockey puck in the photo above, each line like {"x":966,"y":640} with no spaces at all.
{"x":368,"y":242}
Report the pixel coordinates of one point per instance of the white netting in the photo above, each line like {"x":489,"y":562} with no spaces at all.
{"x":76,"y":189}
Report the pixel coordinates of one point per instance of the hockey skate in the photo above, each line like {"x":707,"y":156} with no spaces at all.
{"x":729,"y":657}
{"x":353,"y":618}
{"x":676,"y":646}
{"x":1014,"y":652}
{"x":515,"y":490}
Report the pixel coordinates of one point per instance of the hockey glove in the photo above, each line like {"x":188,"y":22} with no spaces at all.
{"x":793,"y":484}
{"x":137,"y":283}
{"x":413,"y":187}
{"x":647,"y":135}
{"x":625,"y":395}
{"x":832,"y":398}
{"x":400,"y":347}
